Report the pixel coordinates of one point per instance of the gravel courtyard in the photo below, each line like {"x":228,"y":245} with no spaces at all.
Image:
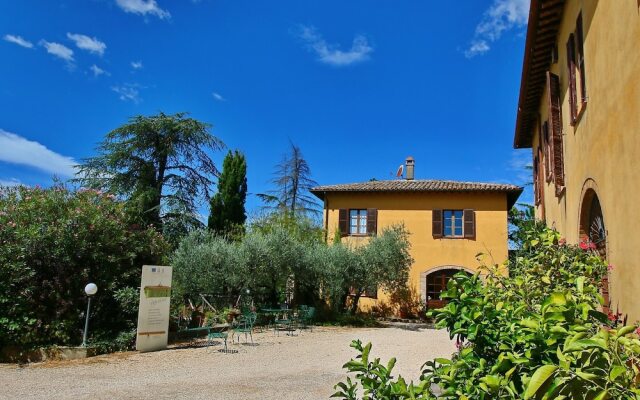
{"x":299,"y":367}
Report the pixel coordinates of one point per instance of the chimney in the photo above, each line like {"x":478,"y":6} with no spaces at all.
{"x":409,"y":165}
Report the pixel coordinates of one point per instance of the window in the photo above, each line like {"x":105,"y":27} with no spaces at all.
{"x":548,"y":151}
{"x":453,"y":223}
{"x":357,"y":222}
{"x":437,"y":283}
{"x":571,"y":66}
{"x":536,"y":179}
{"x":580,"y":59}
{"x":555,"y":131}
{"x":370,"y":292}
{"x":576,"y":69}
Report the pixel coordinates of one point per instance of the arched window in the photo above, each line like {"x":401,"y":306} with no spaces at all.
{"x":436,"y":284}
{"x":593,"y":229}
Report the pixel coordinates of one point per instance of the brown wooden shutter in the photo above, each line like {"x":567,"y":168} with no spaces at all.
{"x":571,"y":66}
{"x":372,"y":221}
{"x":580,"y":48}
{"x":536,"y":179}
{"x":548,"y":152}
{"x":469,"y":224}
{"x":343,"y":222}
{"x":436,"y":223}
{"x":555,"y":124}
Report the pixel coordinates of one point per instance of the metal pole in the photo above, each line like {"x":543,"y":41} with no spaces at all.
{"x":86,"y":324}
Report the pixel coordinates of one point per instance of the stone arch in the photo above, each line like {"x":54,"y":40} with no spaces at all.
{"x":424,"y":275}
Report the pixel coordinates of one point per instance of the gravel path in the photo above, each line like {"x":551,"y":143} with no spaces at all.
{"x":300,"y":367}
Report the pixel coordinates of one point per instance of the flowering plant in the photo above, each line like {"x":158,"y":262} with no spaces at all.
{"x":52,"y":243}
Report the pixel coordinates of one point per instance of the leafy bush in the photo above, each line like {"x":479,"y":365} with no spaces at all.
{"x":52,"y":243}
{"x":537,"y":333}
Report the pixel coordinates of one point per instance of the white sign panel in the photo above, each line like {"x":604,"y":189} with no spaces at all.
{"x":153,"y":314}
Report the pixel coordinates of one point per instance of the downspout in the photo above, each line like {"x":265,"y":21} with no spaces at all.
{"x":326,"y":217}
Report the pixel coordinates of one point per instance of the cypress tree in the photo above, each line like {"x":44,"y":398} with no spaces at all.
{"x":227,"y":215}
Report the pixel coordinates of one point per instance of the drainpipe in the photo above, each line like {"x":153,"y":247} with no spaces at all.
{"x":326,"y":217}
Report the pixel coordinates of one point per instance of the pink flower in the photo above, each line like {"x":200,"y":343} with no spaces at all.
{"x":592,"y":246}
{"x":562,"y":242}
{"x":610,"y":267}
{"x":637,"y":331}
{"x":584,"y":246}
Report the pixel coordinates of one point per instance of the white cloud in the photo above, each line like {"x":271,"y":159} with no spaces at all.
{"x":522,"y":165}
{"x":58,"y":50}
{"x":91,"y":44}
{"x":218,"y":96}
{"x":143,"y":7}
{"x":19,"y":40}
{"x":477,"y":47}
{"x":128,"y":92}
{"x":503,"y":15}
{"x":97,"y":71}
{"x":330,"y":53}
{"x":136,"y":64}
{"x":15,"y":149}
{"x":10,"y":182}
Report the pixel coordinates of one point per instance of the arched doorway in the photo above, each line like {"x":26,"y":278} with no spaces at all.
{"x":436,"y":283}
{"x":593,"y":230}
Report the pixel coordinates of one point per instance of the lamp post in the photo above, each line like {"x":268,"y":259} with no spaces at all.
{"x":90,"y":290}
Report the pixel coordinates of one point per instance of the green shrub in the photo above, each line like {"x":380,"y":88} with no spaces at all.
{"x":52,"y":243}
{"x":537,"y":333}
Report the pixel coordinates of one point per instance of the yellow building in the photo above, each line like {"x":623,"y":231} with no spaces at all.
{"x":579,"y":112}
{"x":449,"y":223}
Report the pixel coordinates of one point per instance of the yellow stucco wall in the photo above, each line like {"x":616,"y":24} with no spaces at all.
{"x":415,"y":211}
{"x":602,"y":151}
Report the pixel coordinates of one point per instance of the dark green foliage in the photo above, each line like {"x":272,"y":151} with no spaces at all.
{"x":227,"y":215}
{"x":292,"y":180}
{"x":54,"y":242}
{"x":537,"y":333}
{"x":160,"y":165}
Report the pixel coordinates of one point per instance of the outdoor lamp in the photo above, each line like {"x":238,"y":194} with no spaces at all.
{"x":90,"y":290}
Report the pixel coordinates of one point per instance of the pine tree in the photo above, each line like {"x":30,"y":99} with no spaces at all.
{"x":227,"y":215}
{"x":293,"y":182}
{"x":159,"y":164}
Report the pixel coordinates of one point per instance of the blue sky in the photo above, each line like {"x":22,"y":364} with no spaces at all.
{"x":358,"y":85}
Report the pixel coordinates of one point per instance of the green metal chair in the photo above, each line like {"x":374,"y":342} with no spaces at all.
{"x":285,"y":324}
{"x":215,"y":333}
{"x":307,"y":318}
{"x":245,"y":325}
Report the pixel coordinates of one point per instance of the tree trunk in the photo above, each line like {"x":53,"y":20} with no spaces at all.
{"x":356,"y":300}
{"x":162,"y":168}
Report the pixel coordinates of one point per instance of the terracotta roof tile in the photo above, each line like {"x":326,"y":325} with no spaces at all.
{"x":421,"y":185}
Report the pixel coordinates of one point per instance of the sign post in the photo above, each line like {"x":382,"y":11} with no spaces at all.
{"x":153,"y":313}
